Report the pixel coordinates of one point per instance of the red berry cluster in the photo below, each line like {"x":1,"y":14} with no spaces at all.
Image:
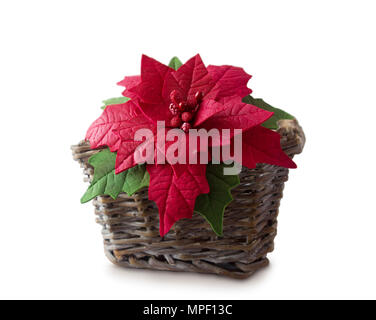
{"x":182,"y":111}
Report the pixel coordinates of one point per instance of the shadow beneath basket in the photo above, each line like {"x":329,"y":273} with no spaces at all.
{"x":160,"y":278}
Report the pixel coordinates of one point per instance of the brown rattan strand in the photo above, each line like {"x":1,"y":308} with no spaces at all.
{"x":131,"y":223}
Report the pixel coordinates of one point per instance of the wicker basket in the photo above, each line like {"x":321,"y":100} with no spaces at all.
{"x":131,"y":223}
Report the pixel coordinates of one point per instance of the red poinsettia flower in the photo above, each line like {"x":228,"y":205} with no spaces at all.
{"x":194,"y":96}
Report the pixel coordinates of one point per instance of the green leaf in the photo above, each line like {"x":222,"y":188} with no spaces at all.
{"x":103,"y":163}
{"x":114,"y":101}
{"x":137,"y":178}
{"x":175,"y":63}
{"x":279,"y":114}
{"x":212,"y":205}
{"x":106,"y":182}
{"x":114,"y":183}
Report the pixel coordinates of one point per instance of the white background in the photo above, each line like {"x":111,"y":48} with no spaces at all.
{"x":60,"y":59}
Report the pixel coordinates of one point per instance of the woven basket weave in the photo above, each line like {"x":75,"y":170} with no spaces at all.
{"x":131,"y":223}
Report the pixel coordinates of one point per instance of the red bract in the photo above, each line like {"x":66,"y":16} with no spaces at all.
{"x":191,"y":97}
{"x":176,"y":196}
